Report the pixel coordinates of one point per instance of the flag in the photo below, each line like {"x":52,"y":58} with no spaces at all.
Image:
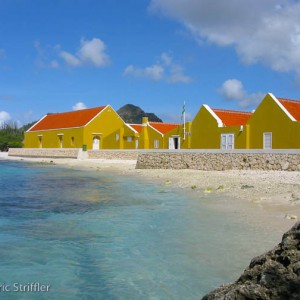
{"x":183,"y":110}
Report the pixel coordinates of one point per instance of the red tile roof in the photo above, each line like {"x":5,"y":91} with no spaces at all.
{"x":163,"y":127}
{"x":71,"y":119}
{"x":232,"y":117}
{"x":292,"y":106}
{"x":137,"y":127}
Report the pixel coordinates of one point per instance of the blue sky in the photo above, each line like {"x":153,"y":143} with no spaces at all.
{"x":61,"y":55}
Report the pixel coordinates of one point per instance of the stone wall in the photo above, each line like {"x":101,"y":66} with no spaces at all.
{"x":49,"y":153}
{"x":220,"y":160}
{"x":113,"y":154}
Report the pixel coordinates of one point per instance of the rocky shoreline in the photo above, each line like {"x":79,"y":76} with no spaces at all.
{"x":273,"y":275}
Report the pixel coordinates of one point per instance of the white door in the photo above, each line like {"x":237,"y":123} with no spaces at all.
{"x":227,"y":141}
{"x":96,"y":143}
{"x":267,"y":140}
{"x":171,"y":143}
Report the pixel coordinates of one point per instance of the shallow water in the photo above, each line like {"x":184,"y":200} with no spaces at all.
{"x":93,"y":235}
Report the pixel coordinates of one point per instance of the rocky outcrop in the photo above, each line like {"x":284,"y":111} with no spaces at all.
{"x":273,"y":275}
{"x":134,"y":114}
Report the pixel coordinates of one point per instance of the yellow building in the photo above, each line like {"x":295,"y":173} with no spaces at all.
{"x":94,"y":128}
{"x":154,"y":135}
{"x":220,"y":129}
{"x":275,"y":124}
{"x":179,"y":137}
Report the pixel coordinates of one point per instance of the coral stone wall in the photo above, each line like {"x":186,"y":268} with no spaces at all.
{"x":113,"y":154}
{"x":220,"y":161}
{"x":45,"y":152}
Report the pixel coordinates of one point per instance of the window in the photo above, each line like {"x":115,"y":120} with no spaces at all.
{"x":40,"y":141}
{"x":156,"y":144}
{"x":129,"y":139}
{"x":227,"y":141}
{"x":60,"y":140}
{"x":117,"y":137}
{"x":267,"y":140}
{"x":72,"y":141}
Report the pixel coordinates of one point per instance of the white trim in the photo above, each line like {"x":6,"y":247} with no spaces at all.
{"x":109,"y":106}
{"x":219,"y":121}
{"x":60,"y":134}
{"x":155,"y":129}
{"x":282,"y":107}
{"x":57,"y":129}
{"x":99,"y":113}
{"x":37,"y":123}
{"x":135,"y":131}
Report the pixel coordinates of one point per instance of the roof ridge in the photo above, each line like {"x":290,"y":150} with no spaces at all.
{"x":73,"y":111}
{"x":287,"y":99}
{"x":231,"y":111}
{"x":164,"y":123}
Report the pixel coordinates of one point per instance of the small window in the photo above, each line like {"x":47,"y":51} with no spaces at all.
{"x":40,"y":141}
{"x":117,"y":137}
{"x":267,"y":136}
{"x":129,"y":139}
{"x":156,"y":144}
{"x":72,"y":141}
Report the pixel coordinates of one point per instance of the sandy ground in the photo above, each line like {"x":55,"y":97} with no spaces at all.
{"x":272,"y":190}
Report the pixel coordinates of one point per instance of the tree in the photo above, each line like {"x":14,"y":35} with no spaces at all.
{"x":10,"y":136}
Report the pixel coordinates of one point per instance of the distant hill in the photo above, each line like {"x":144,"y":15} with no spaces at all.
{"x":134,"y":114}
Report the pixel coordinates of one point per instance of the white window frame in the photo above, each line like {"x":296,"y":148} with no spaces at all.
{"x":226,"y":144}
{"x":265,"y":135}
{"x":117,"y":137}
{"x":156,"y":144}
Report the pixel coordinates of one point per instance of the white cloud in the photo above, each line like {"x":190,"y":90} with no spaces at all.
{"x":266,"y":31}
{"x":154,"y":72}
{"x":43,"y":59}
{"x":79,"y":106}
{"x":54,"y":64}
{"x":177,"y":75}
{"x":70,"y":59}
{"x":4,"y":117}
{"x":164,"y":69}
{"x":91,"y":52}
{"x":233,"y":89}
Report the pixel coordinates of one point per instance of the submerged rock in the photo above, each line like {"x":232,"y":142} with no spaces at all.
{"x":273,"y":275}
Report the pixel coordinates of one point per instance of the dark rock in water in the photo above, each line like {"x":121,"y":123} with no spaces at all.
{"x":273,"y":275}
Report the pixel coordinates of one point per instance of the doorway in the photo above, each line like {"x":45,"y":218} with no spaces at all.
{"x":174,"y":142}
{"x":96,"y":143}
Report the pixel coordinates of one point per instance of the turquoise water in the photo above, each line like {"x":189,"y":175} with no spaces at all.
{"x":93,"y":235}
